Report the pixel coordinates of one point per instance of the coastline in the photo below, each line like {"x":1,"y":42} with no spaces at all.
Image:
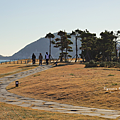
{"x":4,"y":61}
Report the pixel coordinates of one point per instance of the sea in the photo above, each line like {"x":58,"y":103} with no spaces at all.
{"x":4,"y":61}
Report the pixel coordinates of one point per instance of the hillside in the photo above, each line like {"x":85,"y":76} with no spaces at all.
{"x":40,"y":46}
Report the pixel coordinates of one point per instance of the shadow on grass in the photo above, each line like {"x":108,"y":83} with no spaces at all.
{"x":13,"y":66}
{"x":111,"y":69}
{"x":59,"y":64}
{"x":11,"y":88}
{"x":27,"y":66}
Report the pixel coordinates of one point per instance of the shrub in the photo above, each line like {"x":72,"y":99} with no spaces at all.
{"x":117,"y":65}
{"x":114,"y":59}
{"x":109,"y":64}
{"x":102,"y":64}
{"x":110,"y":75}
{"x":72,"y":74}
{"x":114,"y":84}
{"x":92,"y":63}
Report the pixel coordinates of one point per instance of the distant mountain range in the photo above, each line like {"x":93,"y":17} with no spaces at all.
{"x":40,"y":46}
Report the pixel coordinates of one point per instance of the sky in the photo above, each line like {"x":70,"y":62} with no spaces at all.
{"x":25,"y":21}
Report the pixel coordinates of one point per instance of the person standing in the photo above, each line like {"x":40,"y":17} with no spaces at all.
{"x":33,"y":58}
{"x":40,"y":59}
{"x":47,"y":58}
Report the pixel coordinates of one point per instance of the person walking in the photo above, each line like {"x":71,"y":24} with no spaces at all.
{"x":47,"y":57}
{"x":40,"y":59}
{"x":33,"y":58}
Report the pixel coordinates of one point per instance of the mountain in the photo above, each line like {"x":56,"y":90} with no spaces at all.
{"x":4,"y":58}
{"x":1,"y":56}
{"x":40,"y":46}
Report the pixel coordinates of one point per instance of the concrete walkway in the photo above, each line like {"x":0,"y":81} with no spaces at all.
{"x":14,"y":99}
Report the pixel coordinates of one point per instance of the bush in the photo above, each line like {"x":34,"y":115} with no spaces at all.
{"x":117,"y":65}
{"x":102,"y":64}
{"x":114,"y":59}
{"x":109,"y":64}
{"x":92,"y":63}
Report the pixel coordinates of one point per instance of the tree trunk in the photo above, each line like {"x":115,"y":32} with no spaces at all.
{"x":103,"y":57}
{"x":110,"y":56}
{"x":50,"y":50}
{"x":116,"y":49}
{"x":66,"y":55}
{"x":61,"y":50}
{"x":76,"y":50}
{"x":88,"y":56}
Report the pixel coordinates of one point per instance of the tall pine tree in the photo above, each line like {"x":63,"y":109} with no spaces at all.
{"x":63,"y":43}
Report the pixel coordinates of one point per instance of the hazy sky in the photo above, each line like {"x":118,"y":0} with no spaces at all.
{"x":25,"y":21}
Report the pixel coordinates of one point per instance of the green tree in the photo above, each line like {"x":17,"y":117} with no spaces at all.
{"x":88,"y":45}
{"x":76,"y":34}
{"x":117,"y":35}
{"x":50,"y":36}
{"x":107,"y":44}
{"x":67,"y":47}
{"x":63,"y":43}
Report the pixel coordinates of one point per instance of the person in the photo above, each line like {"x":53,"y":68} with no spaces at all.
{"x":40,"y":59}
{"x":47,"y":58}
{"x":33,"y":58}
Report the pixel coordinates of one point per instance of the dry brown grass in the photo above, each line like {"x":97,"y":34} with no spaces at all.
{"x":8,"y":69}
{"x":73,"y":84}
{"x":12,"y":112}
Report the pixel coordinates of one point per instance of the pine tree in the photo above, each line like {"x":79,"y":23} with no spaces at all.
{"x":76,"y":33}
{"x":107,"y":44}
{"x":50,"y":36}
{"x":63,"y":44}
{"x":88,"y":45}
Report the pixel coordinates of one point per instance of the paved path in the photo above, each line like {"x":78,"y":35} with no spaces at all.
{"x":14,"y":99}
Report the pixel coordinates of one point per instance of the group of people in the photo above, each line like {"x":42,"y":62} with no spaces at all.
{"x":47,"y":56}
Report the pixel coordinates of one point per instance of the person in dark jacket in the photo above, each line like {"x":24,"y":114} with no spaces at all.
{"x":33,"y":58}
{"x":40,"y":59}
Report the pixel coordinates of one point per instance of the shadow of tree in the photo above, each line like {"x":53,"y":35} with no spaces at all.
{"x":59,"y":64}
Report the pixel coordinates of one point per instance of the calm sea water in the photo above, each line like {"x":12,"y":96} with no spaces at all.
{"x":4,"y":60}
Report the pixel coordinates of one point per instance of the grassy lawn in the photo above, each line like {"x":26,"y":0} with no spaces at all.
{"x":12,"y":112}
{"x":9,"y":69}
{"x":73,"y":84}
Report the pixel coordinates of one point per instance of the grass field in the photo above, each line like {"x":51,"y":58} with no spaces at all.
{"x":73,"y":84}
{"x":12,"y":112}
{"x":8,"y":69}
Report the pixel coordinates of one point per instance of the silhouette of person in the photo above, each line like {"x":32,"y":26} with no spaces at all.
{"x":40,"y":59}
{"x":33,"y":58}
